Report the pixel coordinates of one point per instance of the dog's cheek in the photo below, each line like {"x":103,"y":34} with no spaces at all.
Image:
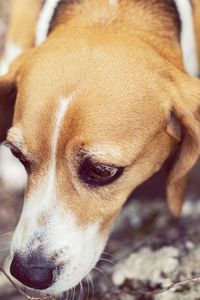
{"x":106,"y":224}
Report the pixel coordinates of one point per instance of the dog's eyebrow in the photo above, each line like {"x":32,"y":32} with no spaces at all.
{"x":15,"y":139}
{"x":12,"y":146}
{"x":106,"y":153}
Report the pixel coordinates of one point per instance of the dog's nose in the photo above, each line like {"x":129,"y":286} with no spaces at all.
{"x":34,"y":271}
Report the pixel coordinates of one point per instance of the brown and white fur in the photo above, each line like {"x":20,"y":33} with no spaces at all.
{"x":110,"y":81}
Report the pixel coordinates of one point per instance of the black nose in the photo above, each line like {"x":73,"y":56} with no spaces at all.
{"x":34,"y":271}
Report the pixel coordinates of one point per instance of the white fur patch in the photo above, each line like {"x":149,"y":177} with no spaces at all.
{"x":12,"y":51}
{"x":4,"y":66}
{"x":188,"y":41}
{"x":45,"y":17}
{"x":49,"y":181}
{"x":12,"y":173}
{"x":59,"y":119}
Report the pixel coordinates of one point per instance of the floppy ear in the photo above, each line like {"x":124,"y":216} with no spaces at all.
{"x":8,"y":93}
{"x":185,"y":128}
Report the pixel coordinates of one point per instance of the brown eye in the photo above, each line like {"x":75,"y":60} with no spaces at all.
{"x":98,"y":174}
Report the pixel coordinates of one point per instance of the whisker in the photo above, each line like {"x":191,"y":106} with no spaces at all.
{"x":79,"y":291}
{"x":101,"y":271}
{"x":92,"y":284}
{"x":70,"y":294}
{"x":74,"y":292}
{"x":88,"y":288}
{"x":91,"y":281}
{"x":111,"y":255}
{"x":65,"y":295}
{"x":108,"y":260}
{"x":82,"y":293}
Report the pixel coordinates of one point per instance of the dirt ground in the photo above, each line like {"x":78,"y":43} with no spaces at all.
{"x":150,"y":255}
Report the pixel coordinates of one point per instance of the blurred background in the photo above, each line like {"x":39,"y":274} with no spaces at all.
{"x":148,"y":249}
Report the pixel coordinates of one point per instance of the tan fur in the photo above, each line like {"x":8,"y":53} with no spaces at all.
{"x":196,"y":11}
{"x":23,"y":16}
{"x":125,"y":89}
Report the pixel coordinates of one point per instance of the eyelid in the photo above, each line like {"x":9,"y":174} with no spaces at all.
{"x":28,"y":157}
{"x":11,"y":146}
{"x":100,"y":161}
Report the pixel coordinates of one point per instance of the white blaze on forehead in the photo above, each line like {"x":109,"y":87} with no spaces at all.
{"x":51,"y":177}
{"x":63,"y":105}
{"x":43,"y":198}
{"x":45,"y":17}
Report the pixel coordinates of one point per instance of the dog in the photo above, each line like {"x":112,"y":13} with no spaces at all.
{"x":95,"y":96}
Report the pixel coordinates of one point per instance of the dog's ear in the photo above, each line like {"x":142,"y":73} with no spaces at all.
{"x":184,"y":127}
{"x":8,"y":93}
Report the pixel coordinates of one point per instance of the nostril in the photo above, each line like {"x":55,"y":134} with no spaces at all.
{"x":35,"y":271}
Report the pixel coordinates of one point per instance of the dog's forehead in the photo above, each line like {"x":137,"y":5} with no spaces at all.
{"x":113,"y":96}
{"x":91,"y":118}
{"x":52,"y":68}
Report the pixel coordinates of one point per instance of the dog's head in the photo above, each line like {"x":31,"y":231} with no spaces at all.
{"x":91,"y":122}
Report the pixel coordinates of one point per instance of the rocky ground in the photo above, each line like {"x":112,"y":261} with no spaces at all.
{"x":150,"y":255}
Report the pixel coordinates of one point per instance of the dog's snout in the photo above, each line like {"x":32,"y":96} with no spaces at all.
{"x":34,"y":271}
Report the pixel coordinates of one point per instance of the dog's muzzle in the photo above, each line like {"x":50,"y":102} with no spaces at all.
{"x":34,"y":271}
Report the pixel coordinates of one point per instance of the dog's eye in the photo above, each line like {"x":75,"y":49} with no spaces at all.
{"x":98,"y":174}
{"x":18,"y":154}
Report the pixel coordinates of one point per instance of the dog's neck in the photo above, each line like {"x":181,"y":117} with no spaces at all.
{"x":165,"y":24}
{"x":162,"y":14}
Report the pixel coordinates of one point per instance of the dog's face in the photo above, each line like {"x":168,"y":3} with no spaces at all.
{"x":90,"y":124}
